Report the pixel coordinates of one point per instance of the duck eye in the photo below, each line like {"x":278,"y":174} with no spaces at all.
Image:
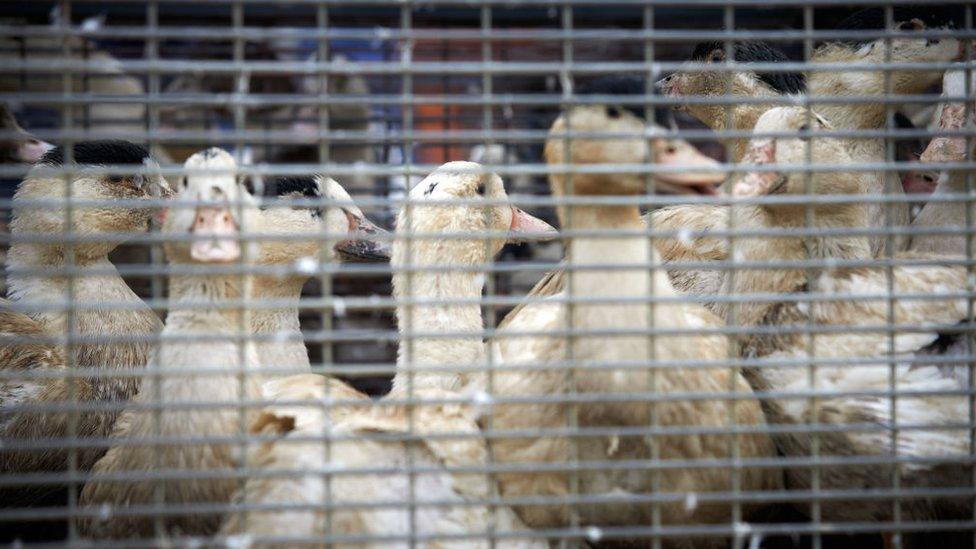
{"x":804,"y":128}
{"x":671,"y":149}
{"x":614,"y":112}
{"x":481,"y":188}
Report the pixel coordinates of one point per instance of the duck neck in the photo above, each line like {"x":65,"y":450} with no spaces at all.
{"x":843,"y":116}
{"x":280,"y":343}
{"x":744,"y":117}
{"x":782,"y":249}
{"x":627,"y":285}
{"x":198,"y":302}
{"x":466,"y":350}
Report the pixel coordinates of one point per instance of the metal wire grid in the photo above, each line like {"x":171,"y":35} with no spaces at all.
{"x":422,"y":110}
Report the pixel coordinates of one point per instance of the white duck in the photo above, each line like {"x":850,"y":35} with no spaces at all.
{"x":952,"y":185}
{"x":607,"y":366}
{"x":385,"y":436}
{"x":112,"y":339}
{"x":931,"y":438}
{"x":212,"y":367}
{"x":303,"y":233}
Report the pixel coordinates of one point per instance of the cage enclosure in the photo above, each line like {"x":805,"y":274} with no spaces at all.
{"x":288,"y":274}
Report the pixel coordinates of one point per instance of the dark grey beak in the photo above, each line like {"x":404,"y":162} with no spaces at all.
{"x":366,"y":242}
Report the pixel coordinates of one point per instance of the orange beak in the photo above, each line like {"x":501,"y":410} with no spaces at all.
{"x":528,"y":227}
{"x":216,"y":234}
{"x":692,"y":179}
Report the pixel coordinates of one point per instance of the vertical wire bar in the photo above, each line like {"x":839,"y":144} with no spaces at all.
{"x":650,"y":189}
{"x":491,"y":321}
{"x":569,"y":100}
{"x":242,"y":336}
{"x":896,"y":538}
{"x":811,"y":280}
{"x":325,"y":276}
{"x":67,"y":119}
{"x":325,"y":150}
{"x":728,"y":44}
{"x":158,"y":497}
{"x":968,"y":116}
{"x":152,"y":124}
{"x":406,"y":82}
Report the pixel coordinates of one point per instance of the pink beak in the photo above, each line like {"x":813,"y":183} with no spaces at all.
{"x":32,"y":150}
{"x":218,"y":224}
{"x":760,"y":152}
{"x":948,"y":149}
{"x":919,"y":182}
{"x":529,"y":227}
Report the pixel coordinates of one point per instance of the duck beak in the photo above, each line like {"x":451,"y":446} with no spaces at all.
{"x":32,"y":150}
{"x":920,"y":182}
{"x":761,"y":152}
{"x":222,"y":245}
{"x":680,"y":154}
{"x":366,"y":242}
{"x":528,"y":227}
{"x":948,"y":149}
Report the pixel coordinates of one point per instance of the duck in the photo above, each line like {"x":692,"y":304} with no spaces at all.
{"x":212,"y":366}
{"x":514,"y":350}
{"x":951,"y":214}
{"x":424,"y":278}
{"x":433,"y":436}
{"x":848,"y":218}
{"x":294,"y":234}
{"x":862,"y":358}
{"x":112,"y":341}
{"x":843,"y":116}
{"x":693,"y":82}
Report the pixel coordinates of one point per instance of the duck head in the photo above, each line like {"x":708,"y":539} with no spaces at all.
{"x":212,"y":211}
{"x":697,"y":81}
{"x":101,"y":173}
{"x":627,"y":143}
{"x":792,"y":150}
{"x":332,"y":223}
{"x":22,"y":147}
{"x":465,"y":202}
{"x":951,"y":117}
{"x":906,"y":20}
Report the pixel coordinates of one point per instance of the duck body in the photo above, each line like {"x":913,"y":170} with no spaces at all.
{"x":859,"y":360}
{"x":621,"y":369}
{"x":356,"y":438}
{"x":199,"y":360}
{"x":113,"y":338}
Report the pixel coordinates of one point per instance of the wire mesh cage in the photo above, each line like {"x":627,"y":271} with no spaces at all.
{"x":286,"y":274}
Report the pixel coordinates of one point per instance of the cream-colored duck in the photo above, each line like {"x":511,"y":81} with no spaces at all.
{"x":298,"y":234}
{"x":843,"y":116}
{"x":786,"y":248}
{"x":930,"y":439}
{"x":198,"y":360}
{"x":608,"y":366}
{"x":364,"y":436}
{"x":113,"y":339}
{"x":952,"y":185}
